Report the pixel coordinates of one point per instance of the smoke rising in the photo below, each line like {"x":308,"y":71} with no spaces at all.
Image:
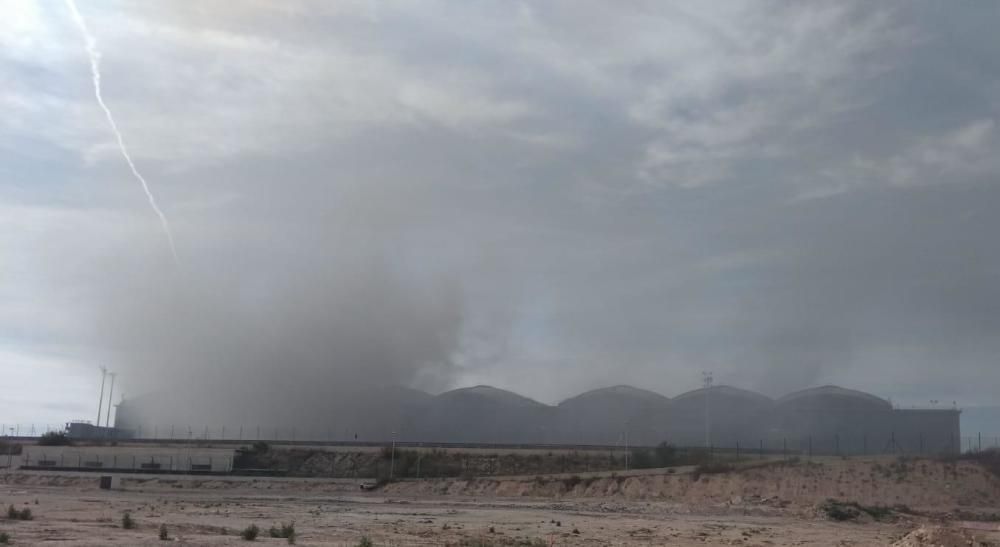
{"x":95,"y":59}
{"x":290,"y":304}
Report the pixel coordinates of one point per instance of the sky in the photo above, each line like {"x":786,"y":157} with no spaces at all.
{"x":544,"y":197}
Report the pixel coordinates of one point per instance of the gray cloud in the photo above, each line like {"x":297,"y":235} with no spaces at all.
{"x":546,"y":198}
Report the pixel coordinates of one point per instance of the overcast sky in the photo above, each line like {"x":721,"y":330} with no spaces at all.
{"x":546,"y":197}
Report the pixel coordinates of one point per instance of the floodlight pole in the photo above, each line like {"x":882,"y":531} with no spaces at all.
{"x":111,"y":394}
{"x":100,"y":402}
{"x":707,"y":380}
{"x":626,"y":445}
{"x":392,"y":460}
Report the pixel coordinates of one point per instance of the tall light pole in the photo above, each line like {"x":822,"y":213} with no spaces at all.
{"x":626,"y":445}
{"x":707,"y":380}
{"x":392,"y":460}
{"x":100,"y":403}
{"x":111,"y":393}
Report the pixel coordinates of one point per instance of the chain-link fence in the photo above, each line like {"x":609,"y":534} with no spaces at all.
{"x":846,"y":443}
{"x":124,"y":460}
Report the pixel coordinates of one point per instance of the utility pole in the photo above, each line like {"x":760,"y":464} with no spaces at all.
{"x":111,"y":394}
{"x":100,"y":403}
{"x":707,"y":380}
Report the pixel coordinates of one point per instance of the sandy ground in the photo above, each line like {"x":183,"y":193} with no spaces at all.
{"x":70,"y":509}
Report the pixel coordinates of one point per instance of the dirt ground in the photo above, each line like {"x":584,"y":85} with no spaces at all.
{"x":70,"y":509}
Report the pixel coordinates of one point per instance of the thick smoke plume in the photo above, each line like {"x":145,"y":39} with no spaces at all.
{"x":95,"y":69}
{"x":276,"y":345}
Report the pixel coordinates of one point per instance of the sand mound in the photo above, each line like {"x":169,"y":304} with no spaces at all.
{"x":941,"y":537}
{"x":873,"y":483}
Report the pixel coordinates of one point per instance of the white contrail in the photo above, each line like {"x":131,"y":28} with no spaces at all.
{"x":95,"y":70}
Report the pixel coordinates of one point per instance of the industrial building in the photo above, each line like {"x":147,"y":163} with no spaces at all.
{"x":820,"y":420}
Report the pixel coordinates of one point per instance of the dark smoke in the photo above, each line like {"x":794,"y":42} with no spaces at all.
{"x":278,"y":343}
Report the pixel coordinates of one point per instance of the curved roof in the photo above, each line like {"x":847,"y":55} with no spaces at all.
{"x":726,"y":391}
{"x":500,"y":396}
{"x":619,"y":391}
{"x":835,"y":391}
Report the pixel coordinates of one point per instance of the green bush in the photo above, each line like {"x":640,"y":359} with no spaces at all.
{"x":164,"y":535}
{"x":287,"y":531}
{"x":250,"y":533}
{"x":849,"y":510}
{"x":128,"y":522}
{"x":840,"y":512}
{"x":23,"y":514}
{"x":252,"y":457}
{"x":4,"y":538}
{"x":55,"y":438}
{"x":365,"y":542}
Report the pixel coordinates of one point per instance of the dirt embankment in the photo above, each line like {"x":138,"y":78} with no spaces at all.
{"x":931,"y":536}
{"x":915,"y":483}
